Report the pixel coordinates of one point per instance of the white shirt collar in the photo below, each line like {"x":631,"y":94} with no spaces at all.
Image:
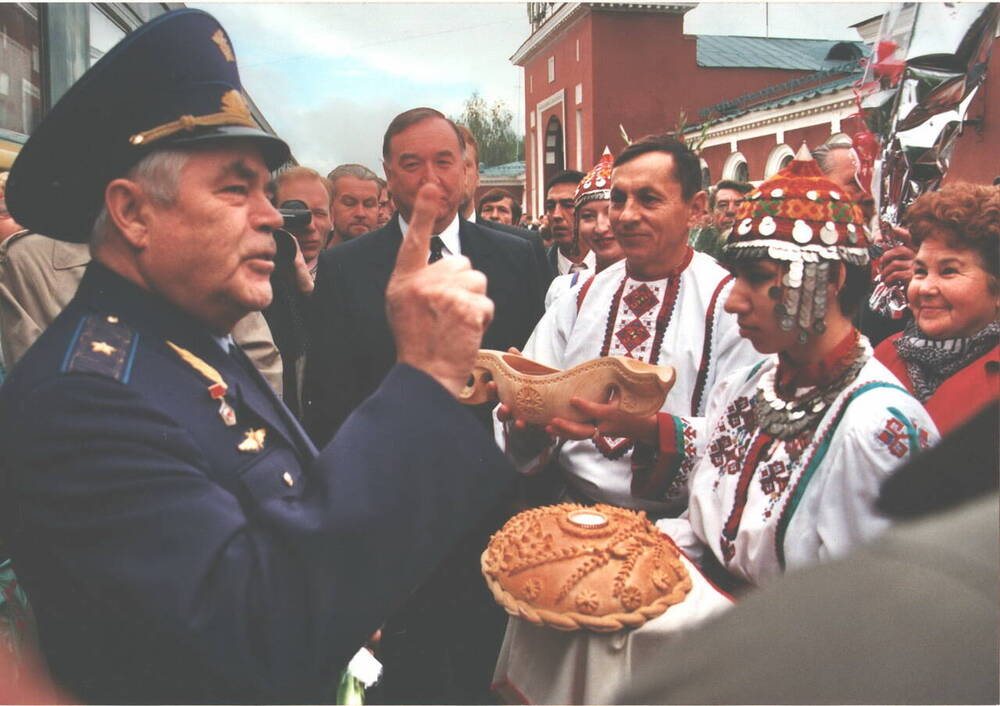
{"x":225,"y":342}
{"x":449,"y":236}
{"x":563,"y":262}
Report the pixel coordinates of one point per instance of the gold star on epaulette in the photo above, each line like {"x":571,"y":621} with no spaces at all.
{"x":102,"y":347}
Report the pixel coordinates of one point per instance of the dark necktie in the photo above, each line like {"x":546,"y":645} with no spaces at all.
{"x":577,"y":267}
{"x":239,"y":357}
{"x":437,"y":245}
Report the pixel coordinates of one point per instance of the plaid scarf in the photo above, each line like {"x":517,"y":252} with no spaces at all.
{"x":930,"y":362}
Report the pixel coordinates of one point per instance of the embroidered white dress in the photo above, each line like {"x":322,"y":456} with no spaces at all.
{"x":676,"y":321}
{"x":763,"y":505}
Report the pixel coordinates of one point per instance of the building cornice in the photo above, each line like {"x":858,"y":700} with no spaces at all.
{"x":570,"y":12}
{"x":755,"y":124}
{"x":503,"y":180}
{"x":560,"y":19}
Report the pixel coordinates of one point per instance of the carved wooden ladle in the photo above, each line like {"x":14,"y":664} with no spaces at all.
{"x":536,"y":393}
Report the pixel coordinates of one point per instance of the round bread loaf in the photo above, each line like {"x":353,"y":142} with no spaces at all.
{"x":569,"y":566}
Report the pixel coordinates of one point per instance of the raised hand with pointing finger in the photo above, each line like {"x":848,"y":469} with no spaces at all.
{"x":437,"y":312}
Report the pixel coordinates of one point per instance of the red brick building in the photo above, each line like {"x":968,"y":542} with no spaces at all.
{"x":590,"y":68}
{"x":762,"y":132}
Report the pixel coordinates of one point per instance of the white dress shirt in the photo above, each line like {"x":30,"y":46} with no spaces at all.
{"x":449,"y":236}
{"x":563,"y":263}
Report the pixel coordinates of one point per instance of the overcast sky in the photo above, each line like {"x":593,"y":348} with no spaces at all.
{"x":330,"y":77}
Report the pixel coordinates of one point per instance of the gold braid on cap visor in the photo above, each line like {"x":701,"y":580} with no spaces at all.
{"x":234,"y":111}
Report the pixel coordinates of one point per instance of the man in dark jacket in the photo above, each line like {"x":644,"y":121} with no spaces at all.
{"x":179,"y":537}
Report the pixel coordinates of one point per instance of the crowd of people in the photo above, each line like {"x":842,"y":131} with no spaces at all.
{"x":232,"y":448}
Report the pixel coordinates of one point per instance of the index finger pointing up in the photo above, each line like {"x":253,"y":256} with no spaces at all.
{"x":415,"y":248}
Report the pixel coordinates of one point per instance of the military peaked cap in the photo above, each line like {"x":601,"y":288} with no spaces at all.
{"x":171,"y":82}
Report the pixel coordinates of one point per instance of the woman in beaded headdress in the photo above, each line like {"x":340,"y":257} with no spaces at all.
{"x":591,"y":201}
{"x":785,"y":467}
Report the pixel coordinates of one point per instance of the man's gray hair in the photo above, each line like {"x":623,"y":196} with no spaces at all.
{"x":358,"y":171}
{"x":823,"y":153}
{"x":159,"y":175}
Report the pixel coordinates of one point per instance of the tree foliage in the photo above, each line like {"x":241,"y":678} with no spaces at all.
{"x":494,"y":130}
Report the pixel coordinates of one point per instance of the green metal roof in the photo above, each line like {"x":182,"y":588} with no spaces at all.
{"x":775,"y":53}
{"x":831,"y":86}
{"x":503,"y":170}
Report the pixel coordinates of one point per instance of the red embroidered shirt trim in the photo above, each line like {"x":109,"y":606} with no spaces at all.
{"x":618,"y":449}
{"x":731,"y":528}
{"x":706,"y":348}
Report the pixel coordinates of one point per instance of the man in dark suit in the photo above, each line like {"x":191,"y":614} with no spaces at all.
{"x":467,"y":210}
{"x":353,"y":349}
{"x":568,"y":252}
{"x":178,"y":535}
{"x":442,"y":646}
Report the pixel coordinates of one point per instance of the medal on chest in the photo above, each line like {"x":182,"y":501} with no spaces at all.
{"x":226,"y":412}
{"x":218,"y":387}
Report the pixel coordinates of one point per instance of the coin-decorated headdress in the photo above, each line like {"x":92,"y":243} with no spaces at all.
{"x":801,"y":217}
{"x":596,"y":186}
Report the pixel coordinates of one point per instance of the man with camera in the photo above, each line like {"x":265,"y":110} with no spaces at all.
{"x":302,"y":197}
{"x":298,"y":192}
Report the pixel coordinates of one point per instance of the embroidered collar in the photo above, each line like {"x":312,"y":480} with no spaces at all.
{"x":791,"y":414}
{"x":680,"y":267}
{"x":819,"y":373}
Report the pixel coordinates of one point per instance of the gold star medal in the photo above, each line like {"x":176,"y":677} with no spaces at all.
{"x":217,"y":390}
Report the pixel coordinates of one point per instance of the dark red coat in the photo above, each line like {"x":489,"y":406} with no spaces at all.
{"x":960,"y":396}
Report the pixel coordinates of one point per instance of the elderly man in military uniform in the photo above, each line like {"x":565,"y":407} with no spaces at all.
{"x":179,"y":537}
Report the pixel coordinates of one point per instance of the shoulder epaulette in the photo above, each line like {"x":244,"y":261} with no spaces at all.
{"x":103,"y":345}
{"x":9,"y":241}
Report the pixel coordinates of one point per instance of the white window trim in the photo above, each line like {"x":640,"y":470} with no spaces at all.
{"x":732,"y":161}
{"x":774,"y":159}
{"x":557,"y":98}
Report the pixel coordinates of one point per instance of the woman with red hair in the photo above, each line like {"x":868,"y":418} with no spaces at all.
{"x":949,"y":354}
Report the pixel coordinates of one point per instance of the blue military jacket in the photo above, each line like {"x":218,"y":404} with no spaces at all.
{"x":171,"y":557}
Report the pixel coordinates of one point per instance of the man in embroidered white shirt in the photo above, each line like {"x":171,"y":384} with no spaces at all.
{"x":662,"y":304}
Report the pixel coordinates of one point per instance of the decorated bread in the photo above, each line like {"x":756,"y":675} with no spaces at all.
{"x":599,"y":568}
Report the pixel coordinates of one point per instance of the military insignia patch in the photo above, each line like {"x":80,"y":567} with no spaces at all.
{"x":254,"y":440}
{"x":102,"y":345}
